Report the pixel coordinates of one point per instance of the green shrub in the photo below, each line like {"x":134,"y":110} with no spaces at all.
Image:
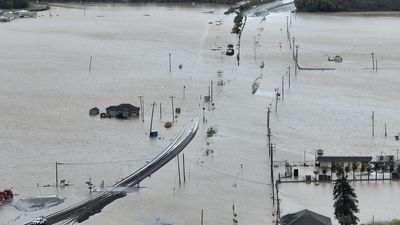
{"x":211,"y":131}
{"x":6,"y":4}
{"x":300,"y":4}
{"x":312,"y":5}
{"x":327,"y":5}
{"x":19,"y":4}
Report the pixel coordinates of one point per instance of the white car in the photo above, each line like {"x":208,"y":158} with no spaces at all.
{"x":41,"y":220}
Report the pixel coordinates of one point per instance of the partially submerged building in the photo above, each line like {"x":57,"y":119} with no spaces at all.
{"x":123,"y":111}
{"x":328,"y":161}
{"x":305,"y":217}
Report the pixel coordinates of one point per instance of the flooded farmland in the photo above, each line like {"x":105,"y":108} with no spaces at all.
{"x":46,"y":90}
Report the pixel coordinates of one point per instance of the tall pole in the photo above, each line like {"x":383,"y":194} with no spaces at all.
{"x":179,"y":170}
{"x":272,"y":173}
{"x":283,"y":93}
{"x":269,"y":132}
{"x":297,"y":56}
{"x":293,"y":48}
{"x":56,"y":174}
{"x":204,"y":115}
{"x":172,"y":105}
{"x":90,"y":63}
{"x":211,"y":97}
{"x":160,"y":112}
{"x":385,"y":131}
{"x":184,"y":88}
{"x":184,"y":172}
{"x":170,"y":62}
{"x":373,"y":61}
{"x":289,"y":75}
{"x":202,"y":213}
{"x":276,"y":101}
{"x":373,"y":123}
{"x":151,"y":121}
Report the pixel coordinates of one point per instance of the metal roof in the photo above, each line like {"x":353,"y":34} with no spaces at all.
{"x":344,"y":158}
{"x":305,"y":217}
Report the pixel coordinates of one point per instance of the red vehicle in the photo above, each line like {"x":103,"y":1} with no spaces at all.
{"x":5,"y":195}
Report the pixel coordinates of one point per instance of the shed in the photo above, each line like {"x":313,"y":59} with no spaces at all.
{"x":94,"y":111}
{"x":305,"y":217}
{"x":123,"y":111}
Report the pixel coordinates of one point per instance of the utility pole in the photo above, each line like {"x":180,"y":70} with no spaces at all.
{"x":204,"y":115}
{"x":184,"y":88}
{"x":283,"y":93}
{"x":170,"y":62}
{"x":294,"y":56}
{"x":269,"y":132}
{"x":56,"y":174}
{"x":202,"y":214}
{"x":276,"y":100}
{"x":151,"y":121}
{"x":184,"y":171}
{"x":179,"y":170}
{"x":212,"y":92}
{"x":373,"y":123}
{"x":289,"y":75}
{"x":278,"y":209}
{"x":385,"y":131}
{"x":172,"y":104}
{"x":297,"y":56}
{"x":160,"y":112}
{"x":90,"y":64}
{"x":373,"y":61}
{"x":272,"y":172}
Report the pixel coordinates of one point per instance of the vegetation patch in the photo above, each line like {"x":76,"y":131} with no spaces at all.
{"x":346,"y":5}
{"x":13,"y":5}
{"x":211,"y":131}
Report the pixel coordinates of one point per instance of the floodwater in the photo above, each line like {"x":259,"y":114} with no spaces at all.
{"x":46,"y":90}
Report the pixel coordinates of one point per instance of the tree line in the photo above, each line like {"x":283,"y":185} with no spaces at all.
{"x":13,"y":4}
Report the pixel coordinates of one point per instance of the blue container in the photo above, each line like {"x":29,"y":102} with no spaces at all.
{"x":154,"y":134}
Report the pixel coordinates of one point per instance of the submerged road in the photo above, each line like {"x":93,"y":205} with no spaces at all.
{"x":83,"y":210}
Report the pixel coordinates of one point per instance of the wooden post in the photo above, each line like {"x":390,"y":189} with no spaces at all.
{"x":179,"y":170}
{"x":170,"y":62}
{"x":184,"y":171}
{"x":90,"y":63}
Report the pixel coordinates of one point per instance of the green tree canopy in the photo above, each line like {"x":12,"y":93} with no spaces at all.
{"x":345,"y":201}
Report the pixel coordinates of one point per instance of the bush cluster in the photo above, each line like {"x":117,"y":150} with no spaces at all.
{"x":316,"y":5}
{"x":13,"y":4}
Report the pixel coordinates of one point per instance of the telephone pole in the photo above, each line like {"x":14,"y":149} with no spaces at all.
{"x":172,"y":104}
{"x":373,"y":123}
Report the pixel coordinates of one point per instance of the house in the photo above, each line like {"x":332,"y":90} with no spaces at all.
{"x":123,"y":111}
{"x":94,"y":111}
{"x":305,"y":217}
{"x":328,"y":161}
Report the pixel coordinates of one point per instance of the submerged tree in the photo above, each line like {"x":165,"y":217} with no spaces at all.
{"x":345,"y":200}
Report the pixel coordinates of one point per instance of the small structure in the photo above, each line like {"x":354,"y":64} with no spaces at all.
{"x":123,"y":111}
{"x":337,"y":59}
{"x":305,"y":217}
{"x":230,"y":51}
{"x":383,"y":159}
{"x":7,"y":17}
{"x":328,"y":161}
{"x":94,"y":111}
{"x":177,"y":110}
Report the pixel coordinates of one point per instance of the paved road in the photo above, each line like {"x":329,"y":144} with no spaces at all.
{"x":83,"y":210}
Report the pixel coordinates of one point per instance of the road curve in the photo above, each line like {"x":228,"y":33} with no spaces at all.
{"x":84,"y":209}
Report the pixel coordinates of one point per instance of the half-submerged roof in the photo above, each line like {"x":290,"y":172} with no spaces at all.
{"x":344,"y":158}
{"x":305,"y":217}
{"x":124,"y":107}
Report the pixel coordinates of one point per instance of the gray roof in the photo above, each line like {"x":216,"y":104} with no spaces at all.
{"x":305,"y":217}
{"x":344,"y":158}
{"x":124,"y":107}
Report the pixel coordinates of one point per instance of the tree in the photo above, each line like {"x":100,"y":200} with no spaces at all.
{"x":20,"y":4}
{"x":376,"y":168}
{"x":6,"y":4}
{"x":354,"y":167}
{"x":300,"y":4}
{"x":383,"y":168}
{"x":392,"y":166}
{"x":327,"y":5}
{"x":369,"y":169}
{"x":312,"y":5}
{"x":362,"y":170}
{"x":345,"y":201}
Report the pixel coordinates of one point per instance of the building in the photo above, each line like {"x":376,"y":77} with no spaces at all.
{"x":122,"y":111}
{"x":94,"y":111}
{"x":328,"y":161}
{"x":305,"y":217}
{"x":384,"y":159}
